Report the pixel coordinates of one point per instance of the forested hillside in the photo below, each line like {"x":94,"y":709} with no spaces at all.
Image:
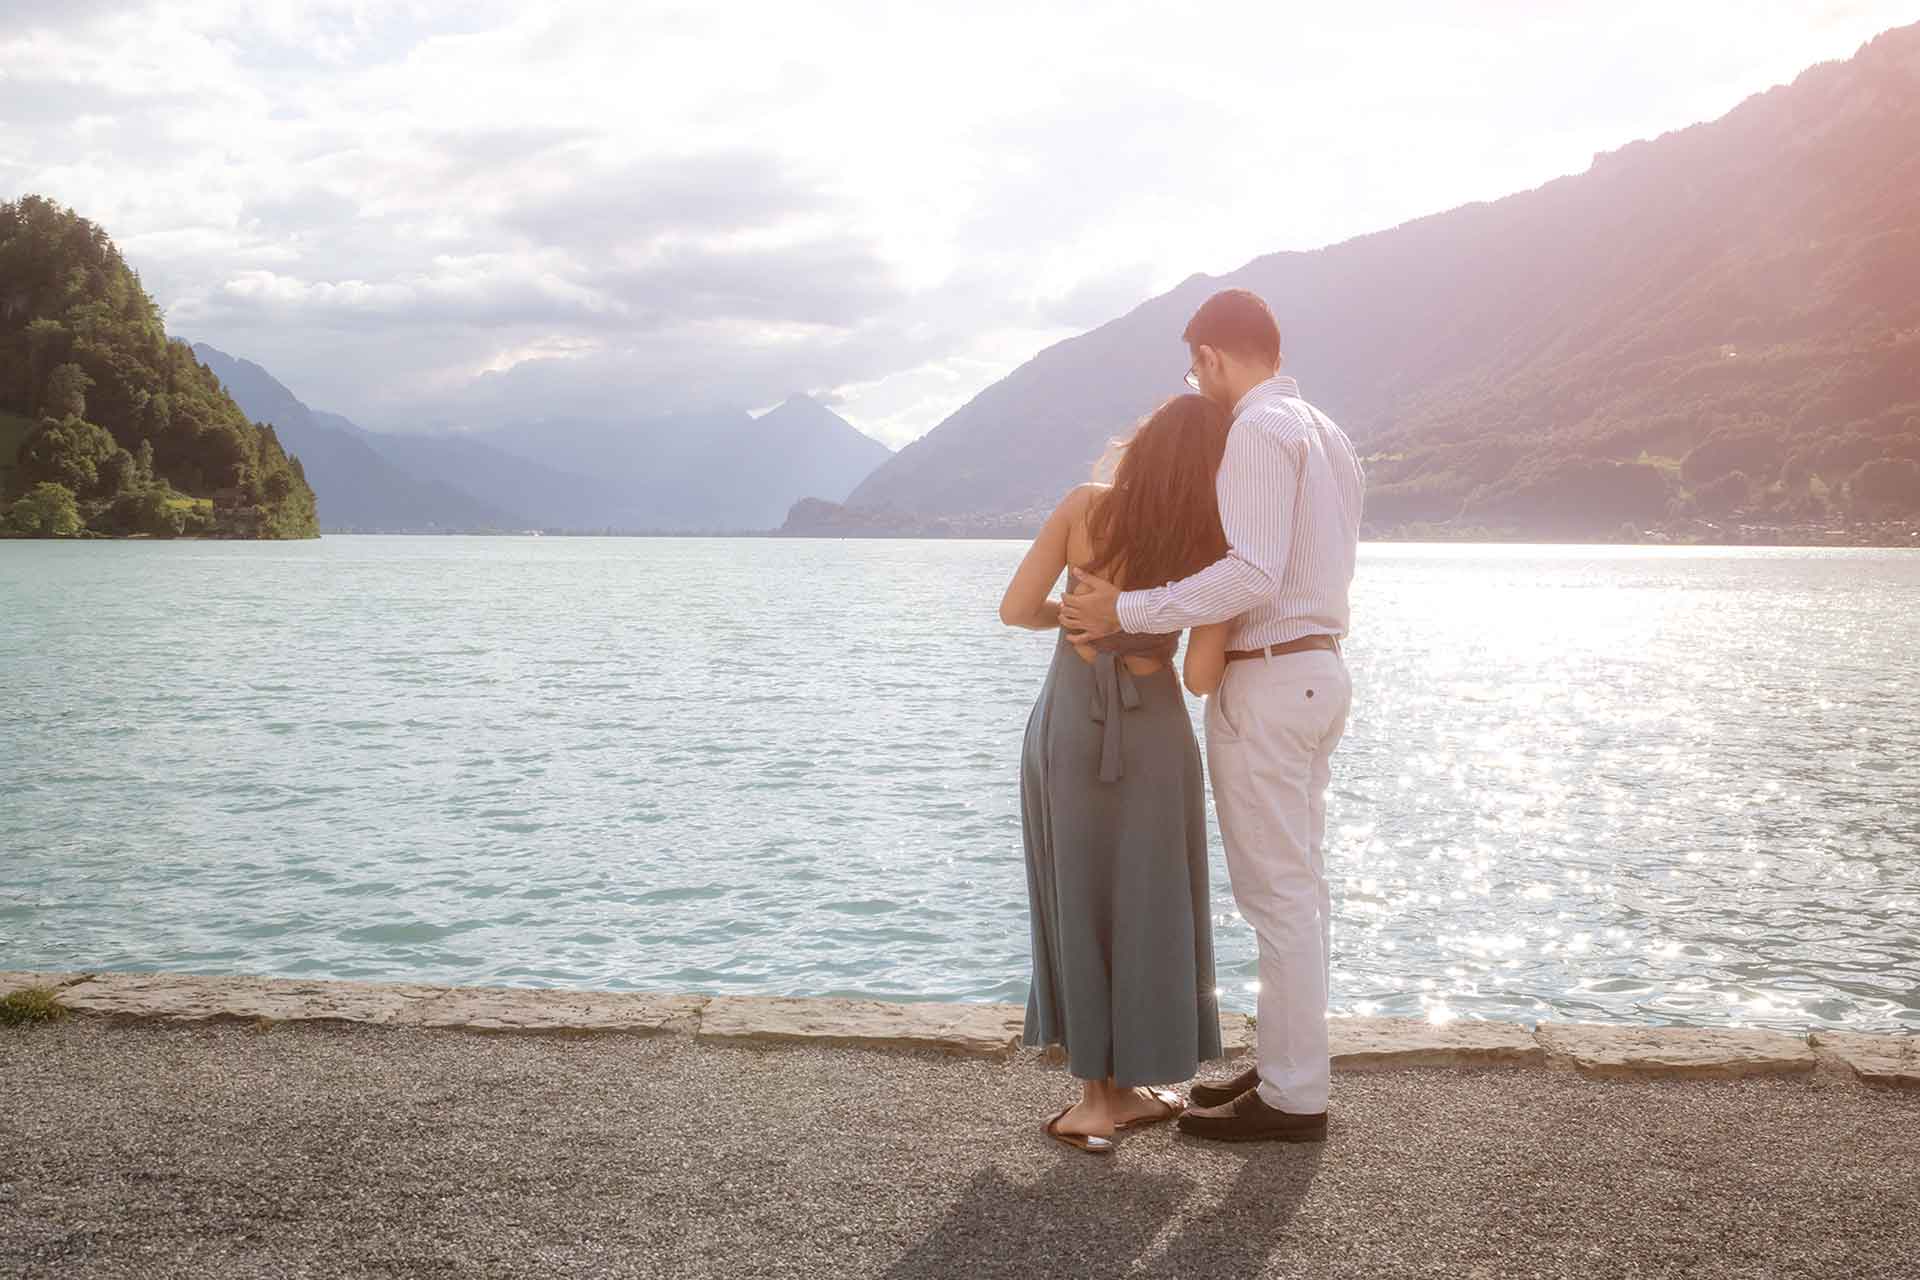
{"x":106,"y":425}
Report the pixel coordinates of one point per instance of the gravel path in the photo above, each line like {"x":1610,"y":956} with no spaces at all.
{"x":357,"y":1151}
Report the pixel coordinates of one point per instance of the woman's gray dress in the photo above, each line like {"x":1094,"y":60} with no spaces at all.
{"x":1113,"y":804}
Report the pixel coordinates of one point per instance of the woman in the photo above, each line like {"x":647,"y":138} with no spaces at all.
{"x":1113,"y":801}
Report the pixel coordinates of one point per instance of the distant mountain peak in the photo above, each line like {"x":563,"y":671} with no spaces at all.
{"x":803,"y":405}
{"x":801,"y":412}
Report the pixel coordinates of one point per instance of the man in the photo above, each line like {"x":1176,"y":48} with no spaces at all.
{"x":1290,"y":493}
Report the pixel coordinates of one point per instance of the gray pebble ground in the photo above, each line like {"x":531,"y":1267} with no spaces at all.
{"x":222,"y":1151}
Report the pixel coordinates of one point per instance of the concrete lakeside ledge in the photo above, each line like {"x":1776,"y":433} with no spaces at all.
{"x":1599,"y":1050}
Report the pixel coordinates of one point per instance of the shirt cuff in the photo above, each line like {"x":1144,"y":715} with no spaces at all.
{"x":1133,"y":609}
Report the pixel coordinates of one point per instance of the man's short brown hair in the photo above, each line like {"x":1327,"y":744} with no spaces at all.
{"x":1237,"y":322}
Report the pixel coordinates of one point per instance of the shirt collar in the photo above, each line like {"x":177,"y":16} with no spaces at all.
{"x":1278,"y":385}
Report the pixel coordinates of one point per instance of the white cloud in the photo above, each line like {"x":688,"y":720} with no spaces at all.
{"x":414,"y":212}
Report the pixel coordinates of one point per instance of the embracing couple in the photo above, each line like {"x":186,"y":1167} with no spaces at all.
{"x":1233,"y":515}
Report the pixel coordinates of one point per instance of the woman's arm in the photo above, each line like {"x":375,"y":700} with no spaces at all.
{"x":1206,"y":662}
{"x":1026,"y":603}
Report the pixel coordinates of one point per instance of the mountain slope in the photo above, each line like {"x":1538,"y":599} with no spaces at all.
{"x":722,"y":471}
{"x":813,"y":452}
{"x":1725,"y":320}
{"x":357,"y":488}
{"x":719,"y":472}
{"x":542,"y":496}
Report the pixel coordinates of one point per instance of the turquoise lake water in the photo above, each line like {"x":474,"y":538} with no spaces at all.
{"x":1608,"y":784}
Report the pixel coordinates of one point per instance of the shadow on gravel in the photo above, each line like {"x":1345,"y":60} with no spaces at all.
{"x":1234,"y":1238}
{"x":1095,"y":1216}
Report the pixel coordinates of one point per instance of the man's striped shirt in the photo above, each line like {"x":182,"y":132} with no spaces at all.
{"x":1290,"y":492}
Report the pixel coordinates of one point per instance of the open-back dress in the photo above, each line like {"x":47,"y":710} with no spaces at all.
{"x":1113,"y":806}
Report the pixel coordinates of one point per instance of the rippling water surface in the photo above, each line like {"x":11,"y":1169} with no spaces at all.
{"x":1668,"y":785}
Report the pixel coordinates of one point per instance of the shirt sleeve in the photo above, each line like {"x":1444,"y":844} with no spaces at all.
{"x":1257,"y":487}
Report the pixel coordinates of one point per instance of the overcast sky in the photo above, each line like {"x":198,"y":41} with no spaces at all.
{"x":423,"y":214}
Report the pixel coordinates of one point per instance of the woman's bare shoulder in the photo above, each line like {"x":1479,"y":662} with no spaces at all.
{"x":1075,"y":506}
{"x":1081,"y":496}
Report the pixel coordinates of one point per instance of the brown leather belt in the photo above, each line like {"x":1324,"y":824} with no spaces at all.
{"x":1288,"y":646}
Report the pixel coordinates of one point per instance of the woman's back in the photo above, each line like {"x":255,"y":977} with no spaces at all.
{"x":1142,"y":654}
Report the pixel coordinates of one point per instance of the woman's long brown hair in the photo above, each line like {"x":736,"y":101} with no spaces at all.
{"x":1160,"y":521}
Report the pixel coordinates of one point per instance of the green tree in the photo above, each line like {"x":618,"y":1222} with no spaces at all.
{"x":152,"y":511}
{"x":68,"y":453}
{"x":118,"y":473}
{"x":66,"y":395}
{"x":48,"y":346}
{"x":156,"y":416}
{"x":47,"y":511}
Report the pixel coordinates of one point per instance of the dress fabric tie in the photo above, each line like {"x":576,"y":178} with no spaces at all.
{"x":1113,"y":691}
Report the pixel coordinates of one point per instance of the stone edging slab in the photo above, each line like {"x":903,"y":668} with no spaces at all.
{"x":1372,"y":1044}
{"x":1887,"y":1060}
{"x":979,"y":1030}
{"x":1700,"y":1054}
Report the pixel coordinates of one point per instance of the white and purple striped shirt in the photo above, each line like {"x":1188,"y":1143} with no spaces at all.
{"x":1290,"y":491}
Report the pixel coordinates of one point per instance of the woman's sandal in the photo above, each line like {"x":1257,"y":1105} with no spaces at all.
{"x":1084,"y":1141}
{"x":1172,"y":1101}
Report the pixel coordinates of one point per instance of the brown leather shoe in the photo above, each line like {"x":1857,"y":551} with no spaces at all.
{"x":1249,"y":1119}
{"x":1203,"y":1094}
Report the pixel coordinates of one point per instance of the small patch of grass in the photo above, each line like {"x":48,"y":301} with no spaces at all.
{"x":30,"y":1004}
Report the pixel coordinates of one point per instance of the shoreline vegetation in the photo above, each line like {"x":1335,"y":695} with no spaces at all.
{"x":1895,"y":536}
{"x":813,"y":518}
{"x":1600,"y":1050}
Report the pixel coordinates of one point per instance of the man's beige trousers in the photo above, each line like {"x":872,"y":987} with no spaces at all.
{"x":1271,"y":730}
